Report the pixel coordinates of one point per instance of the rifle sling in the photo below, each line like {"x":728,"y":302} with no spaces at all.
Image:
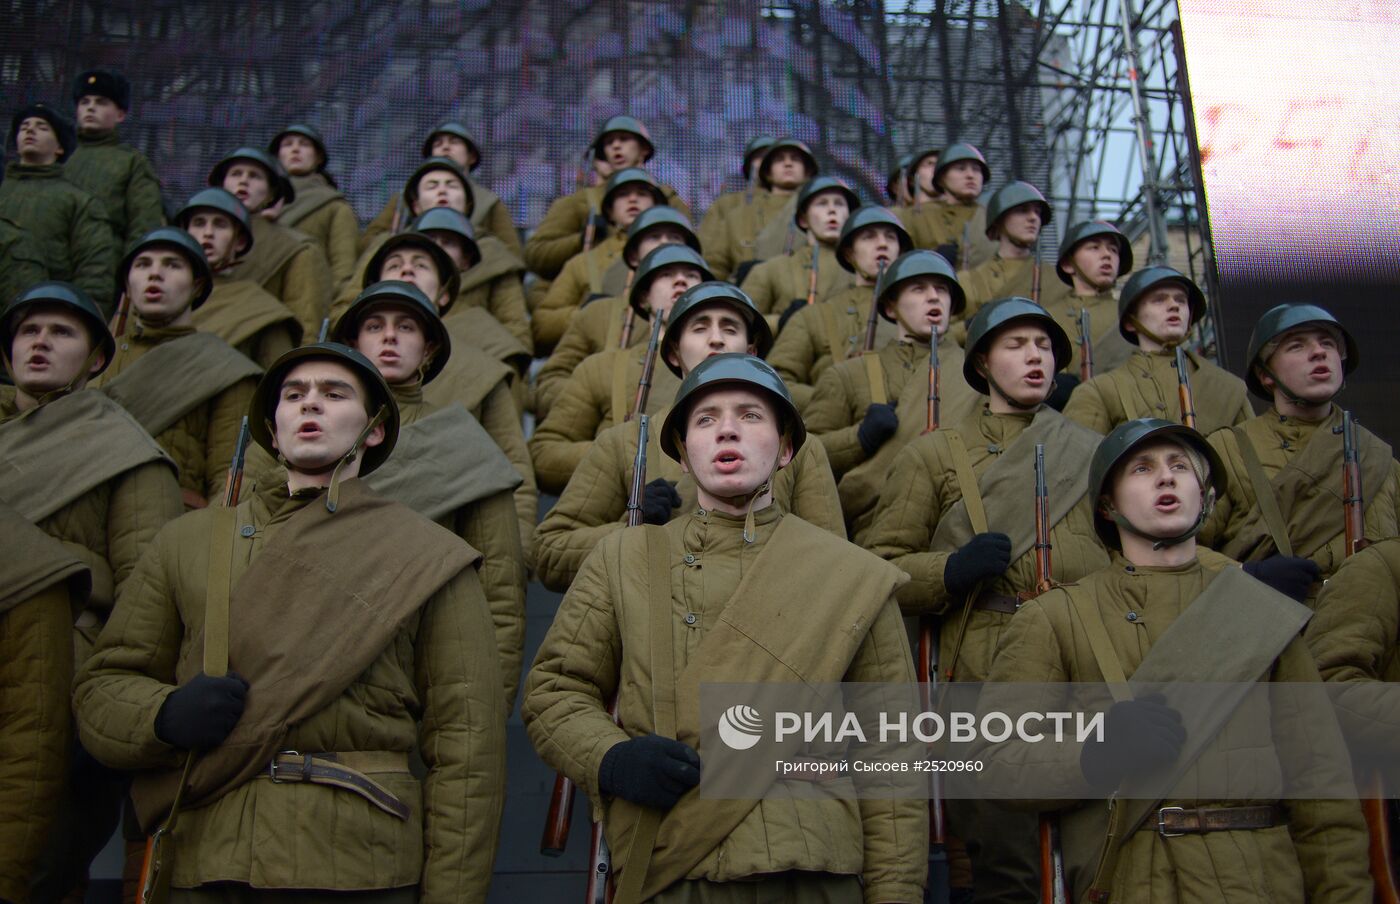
{"x":1264,"y":493}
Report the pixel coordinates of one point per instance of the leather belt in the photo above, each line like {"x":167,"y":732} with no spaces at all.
{"x":997,"y":602}
{"x":343,"y":770}
{"x":1174,"y":821}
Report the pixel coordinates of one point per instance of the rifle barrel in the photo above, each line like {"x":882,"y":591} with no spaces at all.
{"x":872,"y":321}
{"x":639,"y":473}
{"x":1086,"y":347}
{"x":934,"y":379}
{"x":648,"y":368}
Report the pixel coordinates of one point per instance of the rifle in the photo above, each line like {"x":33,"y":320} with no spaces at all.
{"x":934,"y":379}
{"x":1183,"y":390}
{"x":648,"y":367}
{"x":1052,"y":866}
{"x":628,"y":315}
{"x":812,"y":270}
{"x":927,"y":670}
{"x":1374,"y":806}
{"x":325,"y":329}
{"x":123,"y":308}
{"x":873,"y":320}
{"x":154,"y":882}
{"x":1035,"y":271}
{"x":1086,"y":348}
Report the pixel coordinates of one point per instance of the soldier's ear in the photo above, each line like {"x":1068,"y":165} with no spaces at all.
{"x":99,"y":361}
{"x":376,"y":436}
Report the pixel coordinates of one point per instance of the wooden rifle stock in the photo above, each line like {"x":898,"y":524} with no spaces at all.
{"x":1035,"y":271}
{"x":934,"y":379}
{"x":556,"y":822}
{"x":927,"y":670}
{"x":1374,"y":806}
{"x":873,"y":320}
{"x":648,"y":367}
{"x":1183,"y":391}
{"x":1086,"y":347}
{"x":812,"y":270}
{"x":1052,"y":867}
{"x":146,"y":884}
{"x":123,"y":309}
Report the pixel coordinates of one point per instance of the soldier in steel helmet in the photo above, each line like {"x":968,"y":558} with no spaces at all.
{"x":712,"y":318}
{"x":732,"y":428}
{"x":319,"y":210}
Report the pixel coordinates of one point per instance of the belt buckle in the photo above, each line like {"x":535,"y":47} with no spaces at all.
{"x":272,"y":766}
{"x":1162,"y":822}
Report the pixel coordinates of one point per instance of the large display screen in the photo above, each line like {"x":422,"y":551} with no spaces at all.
{"x":1297,"y":114}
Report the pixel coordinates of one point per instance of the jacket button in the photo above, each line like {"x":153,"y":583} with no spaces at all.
{"x":247,"y":530}
{"x":689,"y":559}
{"x":1132,"y":616}
{"x":690,"y":618}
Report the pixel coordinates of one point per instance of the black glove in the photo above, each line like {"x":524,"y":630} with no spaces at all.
{"x":1292,"y":576}
{"x":879,"y":424}
{"x":651,"y":770}
{"x":984,"y":556}
{"x":1138,"y":735}
{"x":1059,"y":396}
{"x":658,"y":499}
{"x":949,"y":252}
{"x":199,"y":715}
{"x":600,"y":227}
{"x":793,"y":307}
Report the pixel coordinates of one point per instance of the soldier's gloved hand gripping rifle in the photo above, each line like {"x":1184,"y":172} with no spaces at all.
{"x":156,"y":865}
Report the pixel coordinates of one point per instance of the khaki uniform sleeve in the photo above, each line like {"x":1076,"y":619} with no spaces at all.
{"x":342,"y":244}
{"x":488,"y":526}
{"x":93,"y":250}
{"x":566,"y":293}
{"x":143,"y":500}
{"x":762,"y":287}
{"x":558,"y":237}
{"x":573,"y":348}
{"x":383,"y":222}
{"x":814,"y":496}
{"x":120,"y":689}
{"x":507,"y":304}
{"x":500,"y":418}
{"x":592,"y":506}
{"x":144,"y":208}
{"x":306,"y":289}
{"x":1221,"y":524}
{"x":462,"y":739}
{"x":1329,"y":836}
{"x":575,"y":675}
{"x":36,"y":669}
{"x":902,"y":532}
{"x":895,"y":831}
{"x":833,"y":417}
{"x":794,"y":353}
{"x":562,"y":439}
{"x":714,"y":236}
{"x":274,"y":342}
{"x":225,"y":419}
{"x":499,"y":224}
{"x":1088,"y":406}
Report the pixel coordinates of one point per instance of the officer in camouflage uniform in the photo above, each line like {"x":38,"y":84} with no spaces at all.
{"x":599,"y":271}
{"x":780,"y":286}
{"x":820,"y":335}
{"x":239,"y":311}
{"x":732,"y":427}
{"x":319,"y":209}
{"x":1156,"y":311}
{"x":710,"y":319}
{"x":489,"y":215}
{"x":187,"y":389}
{"x":287,"y":263}
{"x":108,"y":168}
{"x":86,"y":474}
{"x":603,"y":323}
{"x":68,"y":227}
{"x":388,"y":650}
{"x":715,"y":224}
{"x":21,"y":264}
{"x":622,"y":143}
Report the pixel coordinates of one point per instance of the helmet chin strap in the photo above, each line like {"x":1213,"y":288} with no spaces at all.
{"x":1160,"y":543}
{"x":748,"y":500}
{"x":336,"y":468}
{"x":1019,"y":406}
{"x":1167,"y":344}
{"x":1292,"y":396}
